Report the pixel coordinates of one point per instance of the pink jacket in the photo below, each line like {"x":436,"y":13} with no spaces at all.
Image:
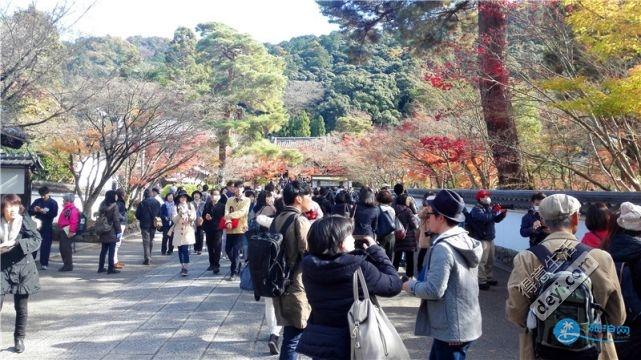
{"x":69,"y":216}
{"x":594,"y":239}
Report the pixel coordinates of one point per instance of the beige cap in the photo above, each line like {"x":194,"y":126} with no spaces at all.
{"x":558,"y":207}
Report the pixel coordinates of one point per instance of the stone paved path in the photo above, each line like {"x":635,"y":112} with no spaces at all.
{"x":150,"y":312}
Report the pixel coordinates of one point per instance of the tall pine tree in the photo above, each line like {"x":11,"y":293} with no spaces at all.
{"x":317,"y":126}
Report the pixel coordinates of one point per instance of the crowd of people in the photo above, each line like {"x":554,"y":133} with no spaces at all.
{"x":439,"y":250}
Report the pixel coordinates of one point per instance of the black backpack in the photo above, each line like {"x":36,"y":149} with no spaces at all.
{"x":572,"y":317}
{"x":267,"y":257}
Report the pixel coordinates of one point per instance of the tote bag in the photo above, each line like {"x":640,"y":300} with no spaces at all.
{"x":372,"y":334}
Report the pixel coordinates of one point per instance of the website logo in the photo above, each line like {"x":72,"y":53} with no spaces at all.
{"x":567,"y":331}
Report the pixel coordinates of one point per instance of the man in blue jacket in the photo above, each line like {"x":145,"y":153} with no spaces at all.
{"x":481,"y":224}
{"x":450,"y":311}
{"x":532,"y":224}
{"x":44,"y":209}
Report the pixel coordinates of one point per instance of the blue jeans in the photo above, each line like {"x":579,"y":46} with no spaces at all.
{"x":183,"y":254}
{"x":442,"y":351}
{"x":232,"y":247}
{"x":107,"y":248}
{"x":291,"y":337}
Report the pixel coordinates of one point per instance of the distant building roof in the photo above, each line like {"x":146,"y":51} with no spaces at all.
{"x":21,"y":160}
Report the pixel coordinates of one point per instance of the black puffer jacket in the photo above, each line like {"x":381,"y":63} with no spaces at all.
{"x":19,"y":274}
{"x":328,"y":285}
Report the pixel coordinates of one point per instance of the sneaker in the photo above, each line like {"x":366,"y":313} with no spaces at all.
{"x":210,"y":268}
{"x":199,"y":252}
{"x":232,"y":277}
{"x":44,"y":267}
{"x":183,"y":272}
{"x":492,"y":282}
{"x":113,"y":272}
{"x":273,"y":344}
{"x":216,"y":270}
{"x":146,"y":262}
{"x":102,"y":270}
{"x":484,"y":286}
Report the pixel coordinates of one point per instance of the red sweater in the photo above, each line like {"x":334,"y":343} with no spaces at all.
{"x":594,"y":238}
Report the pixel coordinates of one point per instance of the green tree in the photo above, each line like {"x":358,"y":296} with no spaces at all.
{"x":421,"y":25}
{"x":247,"y":83}
{"x":300,"y":125}
{"x":182,"y":68}
{"x":317,"y":126}
{"x":355,"y":122}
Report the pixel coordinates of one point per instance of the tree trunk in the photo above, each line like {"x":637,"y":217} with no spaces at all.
{"x":494,"y":98}
{"x":223,"y":140}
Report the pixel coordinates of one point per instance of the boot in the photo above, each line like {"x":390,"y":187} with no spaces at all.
{"x":19,"y":344}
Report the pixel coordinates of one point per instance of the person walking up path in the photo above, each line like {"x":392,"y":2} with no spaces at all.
{"x":184,"y":229}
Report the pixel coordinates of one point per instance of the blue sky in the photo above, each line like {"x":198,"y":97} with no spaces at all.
{"x":266,"y":21}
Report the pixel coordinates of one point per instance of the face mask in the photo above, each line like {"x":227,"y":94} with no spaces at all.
{"x":216,"y":198}
{"x":486,"y":201}
{"x":270,"y":201}
{"x":536,"y":208}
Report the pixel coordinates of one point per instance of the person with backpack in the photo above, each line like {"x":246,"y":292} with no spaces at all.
{"x":342,"y":206}
{"x":236,"y":212}
{"x":386,"y":222}
{"x":624,"y":244}
{"x":399,"y":189}
{"x":532,"y":225}
{"x":534,"y":274}
{"x":406,"y":243}
{"x":481,"y":223}
{"x":265,"y":214}
{"x":68,"y":223}
{"x":184,"y":229}
{"x":292,"y":308}
{"x":448,"y":284}
{"x":328,"y":272}
{"x":109,"y":210}
{"x":146,"y":214}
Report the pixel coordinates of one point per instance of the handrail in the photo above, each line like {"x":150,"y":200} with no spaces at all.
{"x":520,"y":199}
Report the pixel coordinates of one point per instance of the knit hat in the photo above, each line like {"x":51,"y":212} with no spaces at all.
{"x":630,"y":218}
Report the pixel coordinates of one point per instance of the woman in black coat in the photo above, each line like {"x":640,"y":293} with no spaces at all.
{"x":109,"y":209}
{"x":624,"y":244}
{"x":19,"y":238}
{"x":407,"y":245}
{"x":212,"y":213}
{"x":328,"y":273}
{"x":366,"y":213}
{"x":342,"y":206}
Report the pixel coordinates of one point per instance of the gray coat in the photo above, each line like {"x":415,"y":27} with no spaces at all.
{"x":450,"y":309}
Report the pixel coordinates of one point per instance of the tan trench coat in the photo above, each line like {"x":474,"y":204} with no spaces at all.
{"x":292,"y":309}
{"x":605,"y":287}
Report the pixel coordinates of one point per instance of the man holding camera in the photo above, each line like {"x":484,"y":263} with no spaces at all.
{"x":481,"y":223}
